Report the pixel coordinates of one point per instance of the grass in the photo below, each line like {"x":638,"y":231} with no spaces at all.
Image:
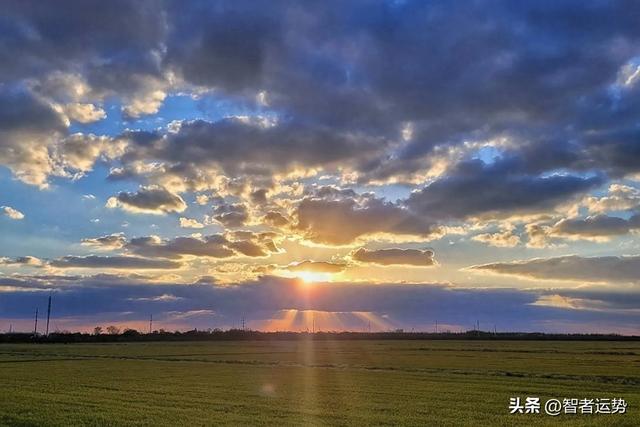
{"x":311,"y":383}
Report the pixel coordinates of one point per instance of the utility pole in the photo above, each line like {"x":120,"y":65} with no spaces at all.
{"x":242,"y":323}
{"x":10,"y":328}
{"x":436,"y":326}
{"x":48,"y":316}
{"x":314,"y":325}
{"x":35,"y":326}
{"x":369,"y":326}
{"x":150,"y":323}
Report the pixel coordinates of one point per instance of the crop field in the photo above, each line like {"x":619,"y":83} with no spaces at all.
{"x":310,"y":382}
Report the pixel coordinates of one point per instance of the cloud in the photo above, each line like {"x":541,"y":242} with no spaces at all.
{"x":624,"y":269}
{"x":524,"y":111}
{"x":619,"y":198}
{"x":275,"y":219}
{"x":394,"y":256}
{"x":248,"y":146}
{"x":335,"y":109}
{"x":159,"y":298}
{"x":214,"y":246}
{"x":12,"y":213}
{"x":504,"y":239}
{"x":26,"y":261}
{"x":259,"y":196}
{"x":115,"y":262}
{"x":317,"y":267}
{"x":539,"y":235}
{"x":109,"y":242}
{"x":151,"y":200}
{"x":145,"y":103}
{"x":99,"y":299}
{"x":138,"y":28}
{"x":595,"y":227}
{"x":77,"y":153}
{"x":35,"y":143}
{"x":475,"y":188}
{"x":232,"y":215}
{"x":340,"y":222}
{"x":28,"y":127}
{"x":593,"y":304}
{"x":84,"y":113}
{"x":190,"y":223}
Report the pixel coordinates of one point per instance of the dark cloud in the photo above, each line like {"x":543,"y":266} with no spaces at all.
{"x":205,"y":48}
{"x":475,"y":188}
{"x":151,"y":199}
{"x":337,"y":83}
{"x":595,"y":226}
{"x":401,"y":305}
{"x":345,"y":78}
{"x":50,"y":38}
{"x":259,"y":196}
{"x":232,"y":215}
{"x":251,"y":146}
{"x":116,"y":262}
{"x":394,"y":256}
{"x":573,"y":268}
{"x":275,"y":219}
{"x":24,"y":111}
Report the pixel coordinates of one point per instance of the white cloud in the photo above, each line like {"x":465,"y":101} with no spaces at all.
{"x":148,"y":103}
{"x":190,"y":223}
{"x":504,"y":239}
{"x":12,"y":213}
{"x":84,"y":113}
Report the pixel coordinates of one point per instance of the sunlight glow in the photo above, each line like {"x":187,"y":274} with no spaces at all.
{"x":318,"y":321}
{"x":313,"y":276}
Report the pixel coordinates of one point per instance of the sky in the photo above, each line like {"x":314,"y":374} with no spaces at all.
{"x":353,"y":165}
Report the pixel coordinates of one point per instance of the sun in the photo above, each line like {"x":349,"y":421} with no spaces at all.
{"x":313,"y":276}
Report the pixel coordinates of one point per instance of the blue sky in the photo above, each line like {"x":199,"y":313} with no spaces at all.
{"x":287,"y":161}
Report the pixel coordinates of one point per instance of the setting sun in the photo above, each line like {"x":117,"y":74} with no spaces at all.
{"x":313,"y":276}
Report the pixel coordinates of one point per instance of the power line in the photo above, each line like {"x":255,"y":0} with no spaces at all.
{"x":35,"y":326}
{"x":48,"y":316}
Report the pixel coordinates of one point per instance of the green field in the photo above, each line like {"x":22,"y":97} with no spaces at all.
{"x":311,"y":383}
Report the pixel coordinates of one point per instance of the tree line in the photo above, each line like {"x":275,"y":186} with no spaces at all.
{"x":114,"y":334}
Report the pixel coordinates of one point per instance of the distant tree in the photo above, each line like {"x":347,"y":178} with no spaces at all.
{"x":130,"y":333}
{"x":97,"y":330}
{"x":113,"y":330}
